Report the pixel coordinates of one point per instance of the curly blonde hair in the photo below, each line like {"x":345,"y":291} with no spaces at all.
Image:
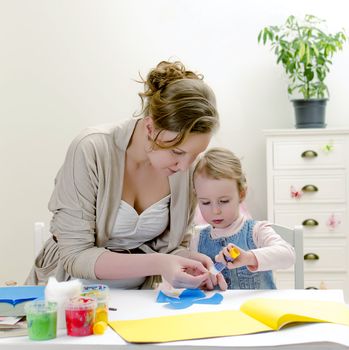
{"x":178,"y":100}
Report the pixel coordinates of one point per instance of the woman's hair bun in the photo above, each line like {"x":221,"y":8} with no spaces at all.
{"x":167,"y":72}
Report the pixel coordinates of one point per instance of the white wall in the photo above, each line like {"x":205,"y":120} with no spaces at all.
{"x":69,"y":64}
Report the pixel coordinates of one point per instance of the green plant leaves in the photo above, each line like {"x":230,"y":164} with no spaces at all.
{"x":301,"y":50}
{"x":309,"y":74}
{"x":304,"y":49}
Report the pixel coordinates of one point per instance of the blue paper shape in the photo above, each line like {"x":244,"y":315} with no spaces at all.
{"x":182,"y":304}
{"x":215,"y":299}
{"x":186,"y":294}
{"x":187,"y":298}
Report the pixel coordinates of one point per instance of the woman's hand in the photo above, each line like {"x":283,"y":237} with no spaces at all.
{"x":182,"y":272}
{"x":245,"y":258}
{"x":212,"y":280}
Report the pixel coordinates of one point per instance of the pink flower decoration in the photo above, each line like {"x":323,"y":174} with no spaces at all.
{"x":332,"y":222}
{"x":295,"y":193}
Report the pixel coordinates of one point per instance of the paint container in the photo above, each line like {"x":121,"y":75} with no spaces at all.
{"x":41,"y":319}
{"x":60,"y":293}
{"x":80,"y":316}
{"x":100,"y":292}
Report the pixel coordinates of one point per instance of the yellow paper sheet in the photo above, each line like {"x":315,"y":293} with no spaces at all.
{"x":277,"y":312}
{"x":189,"y":326}
{"x":255,"y":316}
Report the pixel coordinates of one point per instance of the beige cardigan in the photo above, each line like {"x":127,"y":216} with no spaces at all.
{"x":87,"y":194}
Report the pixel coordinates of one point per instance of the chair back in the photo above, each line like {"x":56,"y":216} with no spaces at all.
{"x":40,"y":237}
{"x":294,"y":236}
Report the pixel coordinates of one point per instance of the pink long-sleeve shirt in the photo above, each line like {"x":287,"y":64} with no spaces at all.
{"x":272,"y":251}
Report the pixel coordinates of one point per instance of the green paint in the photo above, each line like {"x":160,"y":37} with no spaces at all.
{"x":41,"y":320}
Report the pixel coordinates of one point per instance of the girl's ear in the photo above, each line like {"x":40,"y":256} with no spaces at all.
{"x":242,"y":195}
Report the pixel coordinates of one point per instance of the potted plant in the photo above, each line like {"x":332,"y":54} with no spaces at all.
{"x":305,"y":50}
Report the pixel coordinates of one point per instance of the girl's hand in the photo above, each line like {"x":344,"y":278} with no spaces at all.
{"x":212,"y":280}
{"x":245,"y":258}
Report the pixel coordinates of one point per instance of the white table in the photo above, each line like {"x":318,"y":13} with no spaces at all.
{"x":132,"y":304}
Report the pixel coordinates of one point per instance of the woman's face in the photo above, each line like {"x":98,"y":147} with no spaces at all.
{"x":179,"y":158}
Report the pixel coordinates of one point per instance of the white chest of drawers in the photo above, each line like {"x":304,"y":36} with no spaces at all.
{"x":308,"y":184}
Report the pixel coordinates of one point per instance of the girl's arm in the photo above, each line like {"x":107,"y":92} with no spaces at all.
{"x":272,"y":251}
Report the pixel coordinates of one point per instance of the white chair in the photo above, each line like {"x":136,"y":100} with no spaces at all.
{"x":40,"y":236}
{"x":295,"y":238}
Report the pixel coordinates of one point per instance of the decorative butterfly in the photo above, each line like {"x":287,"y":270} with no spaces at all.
{"x":328,"y":148}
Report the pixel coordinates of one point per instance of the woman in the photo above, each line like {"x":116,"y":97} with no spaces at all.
{"x":121,"y":203}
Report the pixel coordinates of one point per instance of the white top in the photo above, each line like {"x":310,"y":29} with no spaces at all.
{"x":131,"y":229}
{"x":272,"y":251}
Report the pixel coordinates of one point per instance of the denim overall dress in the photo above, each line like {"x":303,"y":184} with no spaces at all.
{"x":240,"y":278}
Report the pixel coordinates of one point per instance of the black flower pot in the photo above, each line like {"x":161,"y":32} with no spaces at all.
{"x":310,"y":113}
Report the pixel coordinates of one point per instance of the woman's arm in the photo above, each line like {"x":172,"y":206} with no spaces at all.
{"x":192,"y":253}
{"x":180,"y":272}
{"x":73,"y":204}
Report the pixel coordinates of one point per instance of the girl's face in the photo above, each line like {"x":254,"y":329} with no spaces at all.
{"x":218,"y":200}
{"x":170,"y":161}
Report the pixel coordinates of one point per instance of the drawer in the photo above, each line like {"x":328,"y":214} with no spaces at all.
{"x":328,"y":188}
{"x":329,"y":223}
{"x":319,"y":281}
{"x":325,"y":257}
{"x":309,"y":153}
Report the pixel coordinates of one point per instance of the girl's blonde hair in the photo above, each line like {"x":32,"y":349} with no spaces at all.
{"x":220,"y":163}
{"x":178,"y":100}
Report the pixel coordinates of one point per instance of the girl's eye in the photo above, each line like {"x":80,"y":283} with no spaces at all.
{"x":177,"y":152}
{"x":205,"y":203}
{"x":225,"y":201}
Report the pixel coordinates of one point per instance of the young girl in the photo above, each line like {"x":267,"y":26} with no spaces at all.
{"x":220,"y":187}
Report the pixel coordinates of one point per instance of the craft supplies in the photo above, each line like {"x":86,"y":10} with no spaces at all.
{"x":99,"y":327}
{"x":60,"y":293}
{"x":186,"y":297}
{"x":234,"y":252}
{"x":80,"y":316}
{"x":13,"y":299}
{"x":217,"y":268}
{"x":100,"y":292}
{"x":41,"y":319}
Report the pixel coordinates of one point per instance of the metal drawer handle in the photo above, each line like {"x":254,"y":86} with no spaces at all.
{"x":311,"y":256}
{"x":310,"y":223}
{"x":309,"y":188}
{"x":309,"y":154}
{"x":311,"y":288}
